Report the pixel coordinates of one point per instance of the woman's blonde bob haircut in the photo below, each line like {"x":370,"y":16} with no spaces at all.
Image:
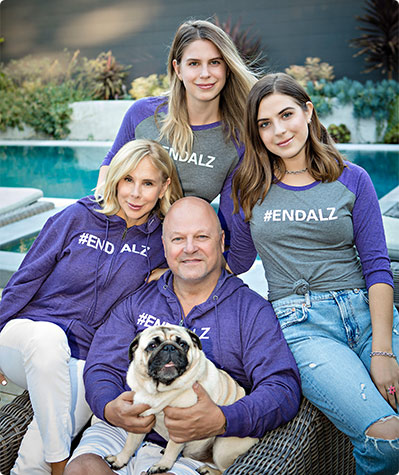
{"x":255,"y":175}
{"x":126,"y":160}
{"x":239,"y":80}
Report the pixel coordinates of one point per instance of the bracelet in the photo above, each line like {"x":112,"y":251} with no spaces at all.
{"x":382,"y":353}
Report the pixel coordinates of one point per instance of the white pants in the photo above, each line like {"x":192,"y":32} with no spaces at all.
{"x":36,"y":356}
{"x":103,"y":439}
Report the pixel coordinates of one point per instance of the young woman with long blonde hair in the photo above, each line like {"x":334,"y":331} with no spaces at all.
{"x":199,"y":121}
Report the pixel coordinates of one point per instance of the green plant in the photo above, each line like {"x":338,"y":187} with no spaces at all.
{"x":313,"y":71}
{"x":380,"y":42}
{"x":30,"y":71}
{"x":339,"y":133}
{"x":48,"y":108}
{"x":105,"y":76}
{"x":392,"y":135}
{"x":392,"y":132}
{"x":249,"y":47}
{"x":152,"y":85}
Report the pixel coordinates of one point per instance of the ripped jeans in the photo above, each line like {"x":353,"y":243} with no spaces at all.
{"x":329,"y":334}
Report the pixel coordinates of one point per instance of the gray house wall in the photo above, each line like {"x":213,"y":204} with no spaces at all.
{"x":139,"y":31}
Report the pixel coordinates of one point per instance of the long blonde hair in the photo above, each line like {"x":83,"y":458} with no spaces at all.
{"x":126,"y":160}
{"x":254,"y":176}
{"x":176,"y":127}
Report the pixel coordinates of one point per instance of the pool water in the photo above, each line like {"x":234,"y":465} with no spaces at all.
{"x":71,"y":171}
{"x":59,"y":171}
{"x":381,"y":165}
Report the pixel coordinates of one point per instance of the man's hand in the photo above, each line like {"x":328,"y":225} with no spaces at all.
{"x":204,"y":419}
{"x":122,"y":412}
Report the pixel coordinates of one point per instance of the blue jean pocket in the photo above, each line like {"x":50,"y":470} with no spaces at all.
{"x":290,"y":315}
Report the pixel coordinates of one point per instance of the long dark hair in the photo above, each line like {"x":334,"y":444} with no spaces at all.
{"x":255,"y":174}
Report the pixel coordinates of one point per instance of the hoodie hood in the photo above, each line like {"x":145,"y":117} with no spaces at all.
{"x":81,"y":265}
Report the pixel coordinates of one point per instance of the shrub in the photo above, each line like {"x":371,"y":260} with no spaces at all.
{"x":38,"y":91}
{"x":313,"y":72}
{"x":48,"y":108}
{"x":339,"y":133}
{"x":380,"y":40}
{"x":392,"y":135}
{"x":104,"y":76}
{"x":248,"y":45}
{"x":152,"y":85}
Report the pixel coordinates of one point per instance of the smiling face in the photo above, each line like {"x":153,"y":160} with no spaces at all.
{"x":202,"y":71}
{"x":193,"y":242}
{"x":283,"y":127}
{"x":139,"y":191}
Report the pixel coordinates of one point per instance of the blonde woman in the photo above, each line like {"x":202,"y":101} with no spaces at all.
{"x":86,"y":259}
{"x":315,"y":221}
{"x":199,"y":121}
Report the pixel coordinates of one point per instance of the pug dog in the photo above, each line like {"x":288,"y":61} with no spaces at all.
{"x":165,"y":363}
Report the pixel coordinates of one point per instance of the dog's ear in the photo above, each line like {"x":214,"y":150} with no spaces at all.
{"x":133,"y":346}
{"x":195,"y":339}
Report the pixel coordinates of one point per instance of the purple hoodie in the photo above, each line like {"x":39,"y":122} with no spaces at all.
{"x":239,"y":333}
{"x":81,"y":264}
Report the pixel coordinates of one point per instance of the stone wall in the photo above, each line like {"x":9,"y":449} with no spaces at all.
{"x":100,"y":121}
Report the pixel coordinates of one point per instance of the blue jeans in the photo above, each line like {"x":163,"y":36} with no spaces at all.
{"x":329,"y":334}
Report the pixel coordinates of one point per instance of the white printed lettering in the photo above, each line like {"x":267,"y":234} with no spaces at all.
{"x":109,"y":248}
{"x":332,"y":211}
{"x":300,"y":215}
{"x":204,"y":333}
{"x":276,"y":215}
{"x":92,"y":241}
{"x":125,"y":248}
{"x":193,"y":158}
{"x":321,"y":217}
{"x":211,"y":160}
{"x":312,"y":215}
{"x":289,"y":214}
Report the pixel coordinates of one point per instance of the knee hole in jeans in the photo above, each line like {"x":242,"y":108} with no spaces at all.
{"x":386,"y":428}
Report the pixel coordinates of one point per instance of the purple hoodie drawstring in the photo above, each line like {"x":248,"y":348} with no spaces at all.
{"x":215,"y":301}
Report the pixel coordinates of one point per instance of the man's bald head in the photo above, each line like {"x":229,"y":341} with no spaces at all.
{"x":191,"y":205}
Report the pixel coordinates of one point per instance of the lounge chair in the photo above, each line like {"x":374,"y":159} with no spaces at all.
{"x":308,"y":445}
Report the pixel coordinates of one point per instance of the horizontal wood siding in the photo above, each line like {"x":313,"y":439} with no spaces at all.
{"x":139,"y":31}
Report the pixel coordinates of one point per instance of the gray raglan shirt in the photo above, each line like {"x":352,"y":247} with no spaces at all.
{"x":206,"y":171}
{"x":320,"y":237}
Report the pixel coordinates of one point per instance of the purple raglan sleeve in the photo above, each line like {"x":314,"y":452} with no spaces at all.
{"x":368,"y":228}
{"x":276,"y":392}
{"x":36,"y":266}
{"x":108,"y":358}
{"x":242,"y":252}
{"x":226,"y":202}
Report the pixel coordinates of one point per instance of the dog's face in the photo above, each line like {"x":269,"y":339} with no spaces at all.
{"x":164,"y":353}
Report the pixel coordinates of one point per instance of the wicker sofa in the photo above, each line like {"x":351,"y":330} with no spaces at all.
{"x":309,"y":444}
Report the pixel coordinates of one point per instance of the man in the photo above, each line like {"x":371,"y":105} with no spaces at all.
{"x":238,"y":331}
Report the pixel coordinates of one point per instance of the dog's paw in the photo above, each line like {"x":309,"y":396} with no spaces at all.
{"x":158,"y":469}
{"x":207,"y":470}
{"x":114,"y":462}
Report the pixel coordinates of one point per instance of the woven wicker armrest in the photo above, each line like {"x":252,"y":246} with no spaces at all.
{"x":308,"y":444}
{"x":14,"y":420}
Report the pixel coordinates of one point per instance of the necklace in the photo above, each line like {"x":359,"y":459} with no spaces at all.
{"x":296,"y":172}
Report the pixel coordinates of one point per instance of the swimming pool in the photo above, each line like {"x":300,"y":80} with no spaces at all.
{"x":64,"y":169}
{"x":60,"y":169}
